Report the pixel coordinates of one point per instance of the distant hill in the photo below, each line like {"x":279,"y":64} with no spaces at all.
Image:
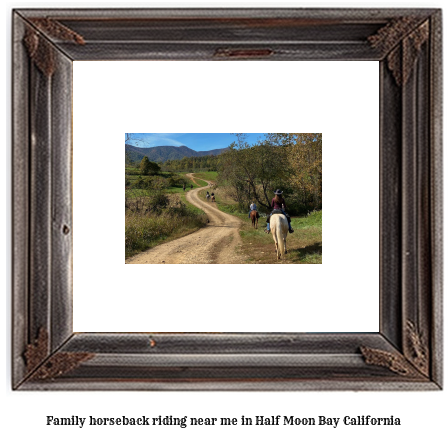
{"x":163,"y":153}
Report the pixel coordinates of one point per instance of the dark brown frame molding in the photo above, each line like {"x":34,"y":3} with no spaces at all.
{"x":406,"y":354}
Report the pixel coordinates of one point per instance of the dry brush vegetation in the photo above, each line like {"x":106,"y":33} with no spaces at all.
{"x":152,"y":217}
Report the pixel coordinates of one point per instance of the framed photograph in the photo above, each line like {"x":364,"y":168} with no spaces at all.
{"x":216,"y":191}
{"x":199,"y":351}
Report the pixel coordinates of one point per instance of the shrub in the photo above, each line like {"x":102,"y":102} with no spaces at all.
{"x":142,"y":231}
{"x":150,"y":183}
{"x":315,"y":217}
{"x":157,"y":201}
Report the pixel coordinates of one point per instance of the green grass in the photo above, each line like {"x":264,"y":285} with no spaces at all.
{"x":229,"y":206}
{"x":136,"y":193}
{"x":190,"y":207}
{"x":314,"y":219}
{"x":180,"y":190}
{"x":304,"y":245}
{"x":143,"y":232}
{"x":132,"y":171}
{"x":223,"y":204}
{"x":132,"y":178}
{"x":177,"y":188}
{"x":201,"y":183}
{"x":209,"y":176}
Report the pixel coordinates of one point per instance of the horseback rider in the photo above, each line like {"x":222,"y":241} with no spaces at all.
{"x":278,"y":203}
{"x":252,"y":207}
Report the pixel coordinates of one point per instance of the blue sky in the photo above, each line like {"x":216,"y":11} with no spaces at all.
{"x":197,"y":142}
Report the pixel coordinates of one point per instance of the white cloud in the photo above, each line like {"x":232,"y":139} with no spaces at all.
{"x":151,"y":140}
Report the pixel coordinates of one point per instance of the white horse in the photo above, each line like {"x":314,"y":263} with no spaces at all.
{"x":279,"y":230}
{"x":207,"y":197}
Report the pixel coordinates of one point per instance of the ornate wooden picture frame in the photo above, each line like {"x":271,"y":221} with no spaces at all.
{"x":406,"y":353}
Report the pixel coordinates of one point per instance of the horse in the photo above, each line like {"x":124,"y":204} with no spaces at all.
{"x":279,"y":230}
{"x":213,"y":198}
{"x":254,"y":218}
{"x":208,"y":197}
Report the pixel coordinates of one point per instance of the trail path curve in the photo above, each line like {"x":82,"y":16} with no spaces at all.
{"x":218,"y":242}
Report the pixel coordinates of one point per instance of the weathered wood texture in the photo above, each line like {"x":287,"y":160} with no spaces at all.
{"x":406,"y":354}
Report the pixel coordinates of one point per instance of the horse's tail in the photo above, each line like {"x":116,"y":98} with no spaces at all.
{"x":281,"y":243}
{"x":279,"y":227}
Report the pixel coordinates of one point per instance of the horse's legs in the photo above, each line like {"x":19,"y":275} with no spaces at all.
{"x":286,"y":251}
{"x":276,"y":242}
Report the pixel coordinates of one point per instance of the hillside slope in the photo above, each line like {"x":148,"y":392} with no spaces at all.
{"x":164,"y":153}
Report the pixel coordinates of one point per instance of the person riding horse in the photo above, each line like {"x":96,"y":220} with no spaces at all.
{"x":278,"y":203}
{"x":252,"y":207}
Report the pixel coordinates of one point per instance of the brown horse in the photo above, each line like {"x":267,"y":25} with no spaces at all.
{"x":254,"y":218}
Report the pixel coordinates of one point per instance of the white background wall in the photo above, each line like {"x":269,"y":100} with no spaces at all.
{"x":422,"y":414}
{"x":183,"y":96}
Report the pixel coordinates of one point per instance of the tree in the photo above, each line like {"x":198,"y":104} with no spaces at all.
{"x":148,"y":167}
{"x":145,"y":166}
{"x":154,"y":168}
{"x":253,"y":171}
{"x":304,"y":157}
{"x":289,"y":162}
{"x":271,"y":170}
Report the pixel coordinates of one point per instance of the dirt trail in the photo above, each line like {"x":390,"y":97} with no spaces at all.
{"x":218,"y":242}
